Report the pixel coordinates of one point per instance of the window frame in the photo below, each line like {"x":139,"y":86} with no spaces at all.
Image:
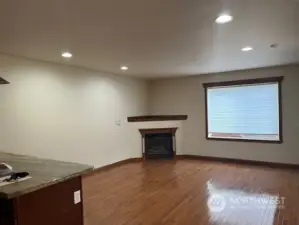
{"x":268,"y":80}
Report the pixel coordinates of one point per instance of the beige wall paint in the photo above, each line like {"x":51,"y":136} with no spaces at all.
{"x":71,"y":114}
{"x":67,"y":113}
{"x":186,"y":96}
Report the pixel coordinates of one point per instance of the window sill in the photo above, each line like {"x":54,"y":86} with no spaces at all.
{"x":244,"y":140}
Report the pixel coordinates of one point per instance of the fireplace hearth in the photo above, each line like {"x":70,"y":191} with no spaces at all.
{"x":158,"y":143}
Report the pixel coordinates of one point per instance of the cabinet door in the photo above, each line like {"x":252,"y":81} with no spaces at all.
{"x":7,"y":212}
{"x":51,"y":205}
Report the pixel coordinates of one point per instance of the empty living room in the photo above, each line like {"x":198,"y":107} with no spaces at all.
{"x":149,"y":112}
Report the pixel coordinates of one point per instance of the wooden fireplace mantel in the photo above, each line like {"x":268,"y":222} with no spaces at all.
{"x":171,"y":130}
{"x":2,"y":81}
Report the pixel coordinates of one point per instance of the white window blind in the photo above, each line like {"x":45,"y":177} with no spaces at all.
{"x":248,"y":112}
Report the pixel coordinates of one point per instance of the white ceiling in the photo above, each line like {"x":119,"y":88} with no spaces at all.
{"x":153,"y":37}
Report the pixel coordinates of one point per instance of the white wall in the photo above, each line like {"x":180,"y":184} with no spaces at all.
{"x":67,"y":113}
{"x":70,"y":114}
{"x":186,"y":96}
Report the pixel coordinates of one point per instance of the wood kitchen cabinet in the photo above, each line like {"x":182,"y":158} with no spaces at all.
{"x":53,"y":205}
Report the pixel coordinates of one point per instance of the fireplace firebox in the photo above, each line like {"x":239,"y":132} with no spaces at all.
{"x":158,"y":146}
{"x":158,"y":143}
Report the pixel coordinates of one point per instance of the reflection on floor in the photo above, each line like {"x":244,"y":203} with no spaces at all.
{"x":191,"y":192}
{"x":229,"y":205}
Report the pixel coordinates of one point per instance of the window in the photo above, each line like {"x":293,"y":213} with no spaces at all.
{"x":244,"y":110}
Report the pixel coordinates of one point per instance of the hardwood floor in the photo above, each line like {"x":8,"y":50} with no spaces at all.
{"x":191,"y":192}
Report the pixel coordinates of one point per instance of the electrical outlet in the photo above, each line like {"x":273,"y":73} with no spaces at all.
{"x":77,"y":197}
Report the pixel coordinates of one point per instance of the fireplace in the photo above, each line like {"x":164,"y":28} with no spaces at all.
{"x":158,"y":143}
{"x":158,"y":146}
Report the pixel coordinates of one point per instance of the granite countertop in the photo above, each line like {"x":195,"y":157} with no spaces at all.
{"x":44,"y":173}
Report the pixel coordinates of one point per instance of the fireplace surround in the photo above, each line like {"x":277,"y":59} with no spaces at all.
{"x":158,"y":143}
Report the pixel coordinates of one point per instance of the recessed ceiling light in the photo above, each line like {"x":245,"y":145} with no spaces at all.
{"x":124,"y":68}
{"x":225,"y":18}
{"x":247,"y":49}
{"x":67,"y":55}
